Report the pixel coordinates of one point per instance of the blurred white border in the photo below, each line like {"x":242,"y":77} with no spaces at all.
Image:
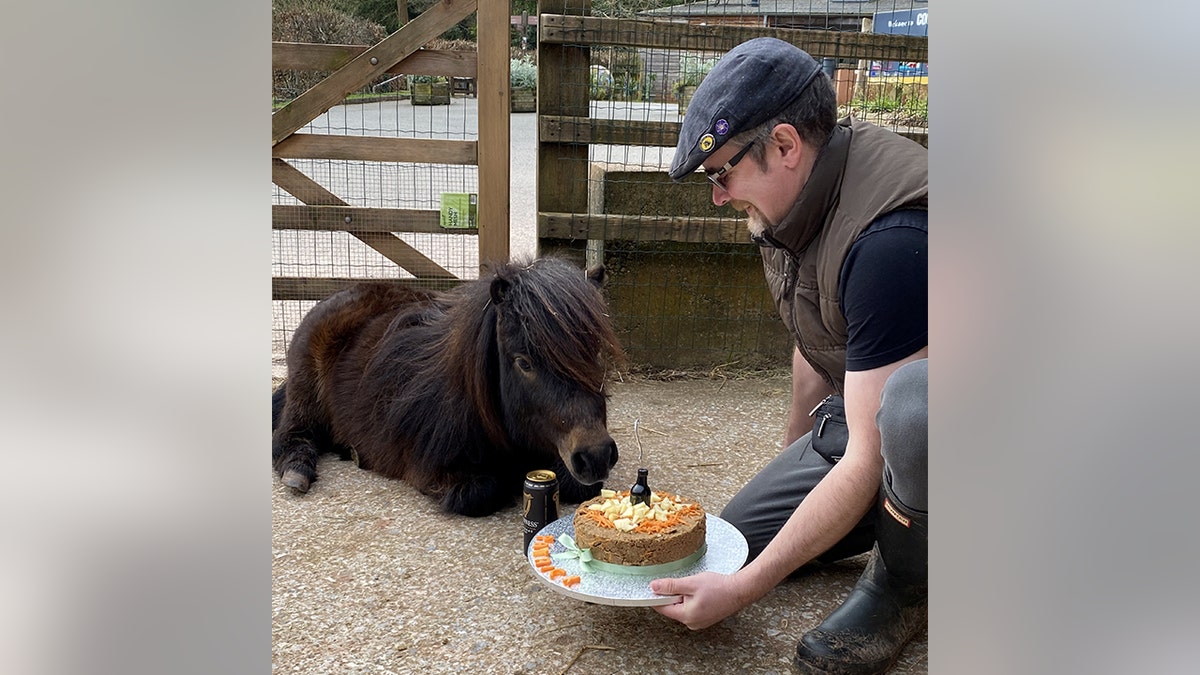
{"x":136,"y":341}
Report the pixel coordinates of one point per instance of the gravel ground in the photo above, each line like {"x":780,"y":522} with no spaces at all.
{"x":369,"y":577}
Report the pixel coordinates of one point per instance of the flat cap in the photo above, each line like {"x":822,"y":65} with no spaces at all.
{"x":751,"y":83}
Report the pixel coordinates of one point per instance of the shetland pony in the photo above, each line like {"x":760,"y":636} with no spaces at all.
{"x":458,"y":393}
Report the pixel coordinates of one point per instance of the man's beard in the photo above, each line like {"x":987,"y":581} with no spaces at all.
{"x":757,"y":224}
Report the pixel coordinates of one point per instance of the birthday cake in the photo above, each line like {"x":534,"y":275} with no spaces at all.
{"x":619,"y":532}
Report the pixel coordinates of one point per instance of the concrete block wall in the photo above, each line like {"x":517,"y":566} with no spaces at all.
{"x":678,"y":305}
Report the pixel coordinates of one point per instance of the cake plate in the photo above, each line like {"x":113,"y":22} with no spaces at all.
{"x":727,"y":551}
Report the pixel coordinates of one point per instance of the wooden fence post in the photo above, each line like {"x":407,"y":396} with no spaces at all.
{"x":564,"y":78}
{"x":494,"y":132}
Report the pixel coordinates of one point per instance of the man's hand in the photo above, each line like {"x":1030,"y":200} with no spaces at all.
{"x":704,"y":599}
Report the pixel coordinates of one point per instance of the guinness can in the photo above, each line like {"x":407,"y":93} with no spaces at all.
{"x":541,"y":503}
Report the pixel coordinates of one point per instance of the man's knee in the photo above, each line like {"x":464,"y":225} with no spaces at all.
{"x":903,"y":422}
{"x":909,"y":384}
{"x":904,"y":406}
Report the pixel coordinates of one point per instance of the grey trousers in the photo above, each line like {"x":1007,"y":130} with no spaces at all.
{"x":764,"y":504}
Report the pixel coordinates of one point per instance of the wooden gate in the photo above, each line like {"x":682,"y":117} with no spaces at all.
{"x":353,"y":67}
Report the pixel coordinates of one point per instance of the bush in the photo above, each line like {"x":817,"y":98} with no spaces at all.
{"x":891,"y":103}
{"x":601,"y":83}
{"x":452,"y":45}
{"x":692,"y":70}
{"x":312,"y":23}
{"x":522,"y":74}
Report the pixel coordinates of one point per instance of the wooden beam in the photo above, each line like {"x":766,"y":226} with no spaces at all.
{"x":588,"y":130}
{"x":567,"y":129}
{"x":318,"y":288}
{"x":494,"y":132}
{"x":596,"y":30}
{"x":408,"y":258}
{"x":301,"y":186}
{"x":328,"y":58}
{"x":385,"y":242}
{"x":563,"y":81}
{"x":367,"y":65}
{"x":377,"y":149}
{"x":356,"y":219}
{"x":612,"y":227}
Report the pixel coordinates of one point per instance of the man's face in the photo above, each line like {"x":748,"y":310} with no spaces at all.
{"x":747,"y":186}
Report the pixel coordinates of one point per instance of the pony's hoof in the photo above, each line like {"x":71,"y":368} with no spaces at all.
{"x":295,"y":480}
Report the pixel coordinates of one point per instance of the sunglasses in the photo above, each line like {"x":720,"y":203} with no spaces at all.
{"x":716,"y":175}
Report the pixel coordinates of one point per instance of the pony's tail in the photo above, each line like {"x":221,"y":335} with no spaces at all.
{"x":277,"y":400}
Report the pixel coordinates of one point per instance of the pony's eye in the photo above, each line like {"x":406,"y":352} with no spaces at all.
{"x":523,"y":363}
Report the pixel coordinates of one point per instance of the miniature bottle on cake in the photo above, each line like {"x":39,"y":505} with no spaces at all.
{"x":640,"y":492}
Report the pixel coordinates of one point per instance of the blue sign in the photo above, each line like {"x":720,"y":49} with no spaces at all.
{"x":901,"y":22}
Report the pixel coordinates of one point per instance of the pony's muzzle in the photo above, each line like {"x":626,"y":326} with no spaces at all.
{"x":591,"y":463}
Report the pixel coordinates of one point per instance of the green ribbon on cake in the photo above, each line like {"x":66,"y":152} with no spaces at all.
{"x":589,"y":564}
{"x":573,"y":551}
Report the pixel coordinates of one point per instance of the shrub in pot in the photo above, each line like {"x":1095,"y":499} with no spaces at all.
{"x":429,"y":90}
{"x":522,"y":82}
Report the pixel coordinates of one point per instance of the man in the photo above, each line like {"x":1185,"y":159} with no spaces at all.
{"x":838,"y":209}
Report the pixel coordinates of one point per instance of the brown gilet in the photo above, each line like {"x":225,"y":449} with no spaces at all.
{"x":862,"y":173}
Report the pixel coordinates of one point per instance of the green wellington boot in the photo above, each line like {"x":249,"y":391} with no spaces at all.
{"x":886,"y":608}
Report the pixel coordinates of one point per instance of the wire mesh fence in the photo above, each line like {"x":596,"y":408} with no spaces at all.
{"x":299,"y":252}
{"x":685,"y":282}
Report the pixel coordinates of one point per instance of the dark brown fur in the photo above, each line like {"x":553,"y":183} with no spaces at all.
{"x":458,"y":393}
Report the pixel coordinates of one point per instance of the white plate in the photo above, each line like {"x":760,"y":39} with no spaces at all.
{"x":727,"y":551}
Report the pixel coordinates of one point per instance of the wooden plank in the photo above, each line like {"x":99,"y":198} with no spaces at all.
{"x":318,"y":288}
{"x":563,"y":81}
{"x":386,"y":243}
{"x":367,"y":65}
{"x":377,"y":149}
{"x":328,"y":58}
{"x":298,"y":288}
{"x":400,"y":252}
{"x":354,"y":219}
{"x":301,"y":186}
{"x":565,"y":129}
{"x":585,"y":130}
{"x":642,"y":228}
{"x":494,"y":132}
{"x":596,"y":30}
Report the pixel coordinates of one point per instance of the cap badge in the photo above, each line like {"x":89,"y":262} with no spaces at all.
{"x":707,"y":142}
{"x":721,"y":127}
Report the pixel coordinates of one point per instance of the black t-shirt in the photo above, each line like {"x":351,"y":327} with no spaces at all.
{"x":884,"y":290}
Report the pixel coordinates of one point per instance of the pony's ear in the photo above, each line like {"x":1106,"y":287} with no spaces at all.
{"x":500,"y":287}
{"x":598,"y":275}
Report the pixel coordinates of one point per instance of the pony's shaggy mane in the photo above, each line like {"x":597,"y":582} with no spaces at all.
{"x":564,"y":321}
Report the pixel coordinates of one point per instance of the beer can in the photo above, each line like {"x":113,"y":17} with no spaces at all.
{"x":541,"y":503}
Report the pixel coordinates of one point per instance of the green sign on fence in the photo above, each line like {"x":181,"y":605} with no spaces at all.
{"x":459,"y":209}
